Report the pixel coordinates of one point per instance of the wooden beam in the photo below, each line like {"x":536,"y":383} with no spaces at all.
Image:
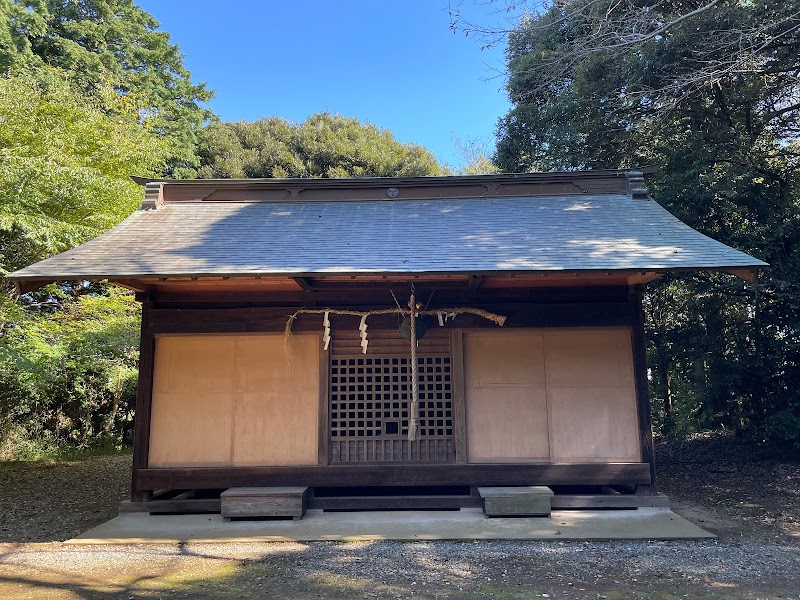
{"x":749,"y":275}
{"x":475,"y":281}
{"x":304,"y":283}
{"x":30,"y":285}
{"x":642,"y":389}
{"x":394,"y":502}
{"x":641,"y":278}
{"x":389,"y":474}
{"x":273,"y":319}
{"x":144,"y":399}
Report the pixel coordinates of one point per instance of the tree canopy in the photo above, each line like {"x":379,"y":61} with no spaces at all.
{"x":64,"y":166}
{"x":324,"y":145}
{"x":111,"y":43}
{"x":708,"y":94}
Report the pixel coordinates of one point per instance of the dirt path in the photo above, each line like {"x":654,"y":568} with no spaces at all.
{"x":753,"y":505}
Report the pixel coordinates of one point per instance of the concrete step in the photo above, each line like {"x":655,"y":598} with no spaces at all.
{"x":527,"y":501}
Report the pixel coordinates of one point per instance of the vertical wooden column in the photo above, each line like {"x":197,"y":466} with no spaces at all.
{"x":459,"y":401}
{"x":144,"y":400}
{"x":324,"y":434}
{"x":642,"y":388}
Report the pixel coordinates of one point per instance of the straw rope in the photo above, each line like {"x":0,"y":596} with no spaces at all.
{"x":495,"y":318}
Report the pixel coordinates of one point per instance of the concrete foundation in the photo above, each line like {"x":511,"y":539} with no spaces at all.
{"x":470,"y":524}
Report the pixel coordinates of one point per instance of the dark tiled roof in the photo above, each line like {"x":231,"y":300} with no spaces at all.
{"x":475,"y":235}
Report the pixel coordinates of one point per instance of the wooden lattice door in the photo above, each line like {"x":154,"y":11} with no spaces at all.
{"x":369,"y":408}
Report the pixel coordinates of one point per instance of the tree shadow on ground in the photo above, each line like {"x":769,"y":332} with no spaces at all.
{"x":501,"y":570}
{"x":47,"y":501}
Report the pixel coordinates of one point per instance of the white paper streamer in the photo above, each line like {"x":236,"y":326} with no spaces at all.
{"x":362,"y":328}
{"x":326,"y":331}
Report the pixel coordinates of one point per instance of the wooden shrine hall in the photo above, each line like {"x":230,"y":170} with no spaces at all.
{"x":426,"y":342}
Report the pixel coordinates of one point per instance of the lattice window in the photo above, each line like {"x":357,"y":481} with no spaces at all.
{"x":369,"y":409}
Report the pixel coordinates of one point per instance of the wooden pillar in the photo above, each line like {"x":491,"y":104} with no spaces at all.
{"x":144,"y":399}
{"x":459,"y":401}
{"x":324,"y":431}
{"x":642,"y":391}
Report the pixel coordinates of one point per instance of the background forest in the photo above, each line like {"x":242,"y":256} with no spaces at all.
{"x":706,"y":93}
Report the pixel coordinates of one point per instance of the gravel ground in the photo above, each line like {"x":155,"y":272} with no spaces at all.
{"x":753,"y":505}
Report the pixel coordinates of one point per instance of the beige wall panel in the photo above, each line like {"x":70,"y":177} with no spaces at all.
{"x":507,"y":425}
{"x":277,"y":407}
{"x":507,"y":358}
{"x":594,"y":424}
{"x":192,"y":412}
{"x":506,"y":399}
{"x":582,"y":358}
{"x":622,"y":337}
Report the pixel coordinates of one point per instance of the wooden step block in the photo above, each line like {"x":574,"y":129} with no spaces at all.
{"x":531,"y":501}
{"x":264,"y":502}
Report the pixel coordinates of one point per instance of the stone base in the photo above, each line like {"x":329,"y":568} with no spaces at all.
{"x":531,"y":501}
{"x":263,"y":502}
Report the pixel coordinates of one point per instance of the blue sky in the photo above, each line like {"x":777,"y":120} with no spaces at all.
{"x":393,"y":63}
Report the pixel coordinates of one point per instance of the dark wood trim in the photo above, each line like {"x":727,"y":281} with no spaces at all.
{"x":459,"y":400}
{"x":608,"y":501}
{"x":642,"y":388}
{"x":175,"y":505}
{"x":144,"y":399}
{"x":304,"y":283}
{"x":387,"y":474}
{"x":273,"y":319}
{"x":372,"y":294}
{"x":323,"y":437}
{"x":395,"y":502}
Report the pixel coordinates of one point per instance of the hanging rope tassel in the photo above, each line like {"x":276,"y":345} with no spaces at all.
{"x":414,"y":406}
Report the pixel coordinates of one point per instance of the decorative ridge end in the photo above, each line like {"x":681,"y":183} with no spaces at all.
{"x":153,"y":195}
{"x":636,"y":187}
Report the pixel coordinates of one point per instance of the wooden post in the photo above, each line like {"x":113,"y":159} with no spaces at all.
{"x":324,"y":443}
{"x":642,"y":391}
{"x":459,"y":402}
{"x":144,"y":399}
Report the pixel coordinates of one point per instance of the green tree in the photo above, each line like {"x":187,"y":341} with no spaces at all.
{"x":111,"y":43}
{"x":324,"y":145}
{"x":68,"y":377}
{"x":65,"y":165}
{"x":68,"y":353}
{"x":708,"y":92}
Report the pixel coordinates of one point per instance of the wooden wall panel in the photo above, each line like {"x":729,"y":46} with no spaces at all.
{"x":558,"y":395}
{"x":582,"y":358}
{"x":506,"y":396}
{"x":507,"y":424}
{"x":592,"y":397}
{"x":507,"y":359}
{"x":232,"y":400}
{"x":192,"y":413}
{"x":594,"y":424}
{"x":277,"y":402}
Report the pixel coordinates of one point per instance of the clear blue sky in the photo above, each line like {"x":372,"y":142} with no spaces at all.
{"x":394,"y":63}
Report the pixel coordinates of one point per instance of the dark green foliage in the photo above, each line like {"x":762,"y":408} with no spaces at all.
{"x":324,"y":145}
{"x":69,"y":376}
{"x":111,"y":43}
{"x":712,"y":101}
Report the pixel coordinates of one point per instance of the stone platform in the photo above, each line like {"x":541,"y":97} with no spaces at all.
{"x":468,"y":523}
